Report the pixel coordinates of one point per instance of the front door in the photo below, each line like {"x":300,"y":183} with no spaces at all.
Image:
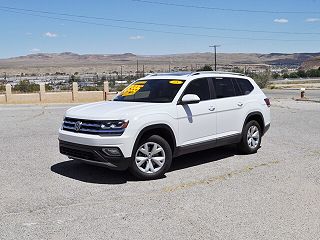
{"x":197,"y":122}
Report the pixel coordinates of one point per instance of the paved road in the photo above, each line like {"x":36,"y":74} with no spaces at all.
{"x":215,"y":194}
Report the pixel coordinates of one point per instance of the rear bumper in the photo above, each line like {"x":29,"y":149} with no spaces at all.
{"x":93,"y":155}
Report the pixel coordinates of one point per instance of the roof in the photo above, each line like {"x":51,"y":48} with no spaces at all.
{"x":187,"y":74}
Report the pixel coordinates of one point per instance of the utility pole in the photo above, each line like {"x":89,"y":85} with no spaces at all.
{"x":137,"y":67}
{"x":121,"y":72}
{"x":143,"y":70}
{"x":215,"y":55}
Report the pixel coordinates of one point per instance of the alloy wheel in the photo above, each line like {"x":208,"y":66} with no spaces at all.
{"x":150,"y":157}
{"x":253,"y":137}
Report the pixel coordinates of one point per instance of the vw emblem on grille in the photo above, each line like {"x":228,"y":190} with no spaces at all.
{"x":77,"y":126}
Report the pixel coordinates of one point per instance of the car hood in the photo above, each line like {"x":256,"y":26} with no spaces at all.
{"x":111,"y":110}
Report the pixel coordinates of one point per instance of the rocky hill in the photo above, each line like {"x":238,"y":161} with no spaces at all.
{"x":313,"y":63}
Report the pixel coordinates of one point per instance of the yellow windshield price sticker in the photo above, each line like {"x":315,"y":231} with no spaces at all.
{"x":176,"y":82}
{"x":141,"y":82}
{"x":131,"y":90}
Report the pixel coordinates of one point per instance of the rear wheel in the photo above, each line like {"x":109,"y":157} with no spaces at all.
{"x":251,"y":138}
{"x":152,"y":158}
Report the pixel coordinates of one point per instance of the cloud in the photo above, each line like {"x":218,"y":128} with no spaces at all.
{"x":281,"y":20}
{"x":51,"y":34}
{"x":312,"y":20}
{"x":28,"y":33}
{"x":138,"y":37}
{"x":35,"y":50}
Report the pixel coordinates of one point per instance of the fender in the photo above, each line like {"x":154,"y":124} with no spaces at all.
{"x":253,"y":114}
{"x":156,"y":126}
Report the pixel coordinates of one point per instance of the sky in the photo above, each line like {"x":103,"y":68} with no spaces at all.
{"x":114,"y":26}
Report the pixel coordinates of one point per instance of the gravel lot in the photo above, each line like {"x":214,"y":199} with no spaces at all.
{"x":215,"y":194}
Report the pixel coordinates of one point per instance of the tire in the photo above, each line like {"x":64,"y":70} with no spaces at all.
{"x":151,"y":158}
{"x":251,"y":138}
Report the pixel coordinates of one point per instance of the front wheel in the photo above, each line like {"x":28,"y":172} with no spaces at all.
{"x":251,"y":138}
{"x":152,"y":158}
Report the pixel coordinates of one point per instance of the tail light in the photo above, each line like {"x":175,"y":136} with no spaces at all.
{"x":267,"y":101}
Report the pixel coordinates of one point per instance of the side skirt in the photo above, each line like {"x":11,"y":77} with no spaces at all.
{"x":181,"y":150}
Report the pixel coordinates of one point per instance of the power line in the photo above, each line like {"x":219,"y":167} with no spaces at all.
{"x":225,"y":9}
{"x":158,"y":24}
{"x":159,"y":31}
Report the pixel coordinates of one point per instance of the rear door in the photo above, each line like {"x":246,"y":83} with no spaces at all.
{"x":229,"y":104}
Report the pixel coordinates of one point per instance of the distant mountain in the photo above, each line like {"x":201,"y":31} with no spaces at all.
{"x":70,"y":62}
{"x":66,"y":56}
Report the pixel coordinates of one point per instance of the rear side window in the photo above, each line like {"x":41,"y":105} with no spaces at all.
{"x":199,"y":87}
{"x":224,"y":87}
{"x":245,"y":86}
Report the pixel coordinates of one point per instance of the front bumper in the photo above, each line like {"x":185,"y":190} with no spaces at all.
{"x":93,"y":155}
{"x":124,"y":142}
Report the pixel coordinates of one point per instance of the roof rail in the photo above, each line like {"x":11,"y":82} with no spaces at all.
{"x":219,"y":72}
{"x":169,"y":73}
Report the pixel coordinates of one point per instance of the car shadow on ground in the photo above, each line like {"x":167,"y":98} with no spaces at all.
{"x":99,"y":175}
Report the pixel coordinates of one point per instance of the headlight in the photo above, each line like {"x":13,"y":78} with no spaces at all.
{"x":114,"y":124}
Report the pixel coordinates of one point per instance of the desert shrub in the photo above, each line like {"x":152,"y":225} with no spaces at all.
{"x":262,"y":79}
{"x":205,"y":68}
{"x":91,"y":88}
{"x":120,"y":88}
{"x":272,"y":87}
{"x":2,"y":88}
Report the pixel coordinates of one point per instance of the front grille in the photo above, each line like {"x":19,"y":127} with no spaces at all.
{"x":88,"y":127}
{"x":77,"y":153}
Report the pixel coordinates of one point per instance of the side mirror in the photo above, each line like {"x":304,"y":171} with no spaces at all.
{"x":190,"y":99}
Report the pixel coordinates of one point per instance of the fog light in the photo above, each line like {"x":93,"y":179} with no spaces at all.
{"x":112,"y":151}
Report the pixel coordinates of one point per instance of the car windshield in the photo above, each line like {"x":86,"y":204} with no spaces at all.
{"x":152,"y":90}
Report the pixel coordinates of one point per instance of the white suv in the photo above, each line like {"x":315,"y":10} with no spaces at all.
{"x":162,"y":116}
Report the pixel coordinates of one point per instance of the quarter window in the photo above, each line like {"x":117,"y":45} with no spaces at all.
{"x":245,"y":86}
{"x":199,"y":87}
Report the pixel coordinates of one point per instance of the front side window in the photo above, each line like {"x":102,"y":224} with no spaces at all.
{"x":200,"y":87}
{"x":224,"y":87}
{"x":152,"y":90}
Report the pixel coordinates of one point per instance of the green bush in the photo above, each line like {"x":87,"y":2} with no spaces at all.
{"x":2,"y":88}
{"x":48,"y":87}
{"x":26,"y":87}
{"x":313,"y":73}
{"x":293,"y":75}
{"x":275,"y":75}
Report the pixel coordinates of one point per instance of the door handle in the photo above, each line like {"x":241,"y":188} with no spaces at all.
{"x":212,"y":108}
{"x":240,"y":104}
